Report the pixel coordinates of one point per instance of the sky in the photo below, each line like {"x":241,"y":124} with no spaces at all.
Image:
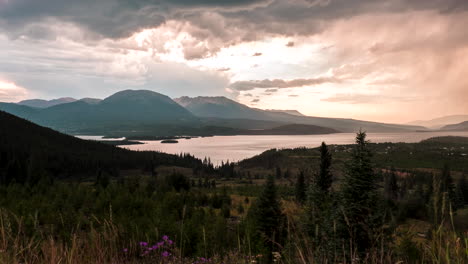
{"x":381,"y":60}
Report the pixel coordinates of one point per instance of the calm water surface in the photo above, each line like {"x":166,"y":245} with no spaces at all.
{"x":235,"y":148}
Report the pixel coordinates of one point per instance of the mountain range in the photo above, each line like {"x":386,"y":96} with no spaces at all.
{"x":440,"y":122}
{"x":40,"y":103}
{"x":222,"y":107}
{"x":463,"y":126}
{"x":143,"y":112}
{"x":121,"y":111}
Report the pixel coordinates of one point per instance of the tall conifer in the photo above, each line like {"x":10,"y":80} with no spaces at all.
{"x":359,"y":192}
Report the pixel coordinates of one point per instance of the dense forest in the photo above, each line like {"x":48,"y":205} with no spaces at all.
{"x":30,"y":152}
{"x":66,"y":200}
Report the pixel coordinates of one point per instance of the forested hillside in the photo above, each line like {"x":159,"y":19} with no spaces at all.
{"x":29,"y":151}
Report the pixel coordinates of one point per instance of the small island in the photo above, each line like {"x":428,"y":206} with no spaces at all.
{"x":169,"y":141}
{"x":124,"y":142}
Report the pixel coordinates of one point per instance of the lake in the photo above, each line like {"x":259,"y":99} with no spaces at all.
{"x":235,"y":148}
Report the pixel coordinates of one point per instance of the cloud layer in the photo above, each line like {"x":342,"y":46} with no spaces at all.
{"x":327,"y":57}
{"x":278,"y":83}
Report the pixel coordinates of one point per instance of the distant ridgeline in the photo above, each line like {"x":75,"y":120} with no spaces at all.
{"x":146,"y":113}
{"x":29,"y":152}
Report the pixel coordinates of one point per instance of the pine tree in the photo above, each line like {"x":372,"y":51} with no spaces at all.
{"x":324,"y":179}
{"x":359,"y":192}
{"x":268,"y":217}
{"x":320,"y":217}
{"x":300,"y":188}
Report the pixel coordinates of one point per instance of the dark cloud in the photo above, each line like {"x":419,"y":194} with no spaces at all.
{"x":255,"y":100}
{"x":290,"y":44}
{"x":273,"y":90}
{"x":293,"y":95}
{"x":255,"y":18}
{"x":256,"y":54}
{"x":211,"y":24}
{"x":111,"y":18}
{"x":279,"y":83}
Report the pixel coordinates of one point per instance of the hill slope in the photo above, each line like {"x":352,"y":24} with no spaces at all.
{"x":463,"y":126}
{"x":28,"y":151}
{"x":294,"y":129}
{"x":221,"y":107}
{"x":432,"y":153}
{"x":437,"y":123}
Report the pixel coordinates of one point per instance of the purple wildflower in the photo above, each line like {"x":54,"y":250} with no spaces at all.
{"x":143,"y":244}
{"x":165,"y":254}
{"x":125,"y":250}
{"x":165,"y":238}
{"x":170,"y":242}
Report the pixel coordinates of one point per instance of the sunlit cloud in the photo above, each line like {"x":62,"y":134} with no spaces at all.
{"x":10,"y":92}
{"x":278,"y":83}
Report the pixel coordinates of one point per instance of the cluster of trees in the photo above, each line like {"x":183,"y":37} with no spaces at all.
{"x":362,"y":213}
{"x":417,"y":194}
{"x":331,"y":218}
{"x":141,"y":208}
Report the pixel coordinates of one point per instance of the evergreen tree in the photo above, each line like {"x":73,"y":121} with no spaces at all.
{"x":268,"y":218}
{"x":359,"y":193}
{"x":324,"y":178}
{"x":300,"y":188}
{"x":320,"y":219}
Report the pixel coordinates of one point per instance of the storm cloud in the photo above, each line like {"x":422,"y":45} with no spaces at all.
{"x":344,"y":57}
{"x":217,"y":23}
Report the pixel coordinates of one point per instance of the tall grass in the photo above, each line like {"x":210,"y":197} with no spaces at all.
{"x":442,"y":244}
{"x":106,"y":243}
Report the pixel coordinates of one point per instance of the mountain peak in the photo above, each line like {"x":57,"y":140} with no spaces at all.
{"x":40,"y":103}
{"x":217,"y":100}
{"x":90,"y":100}
{"x":142,"y":97}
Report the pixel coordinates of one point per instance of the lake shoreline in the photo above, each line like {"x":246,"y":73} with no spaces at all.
{"x":236,"y":148}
